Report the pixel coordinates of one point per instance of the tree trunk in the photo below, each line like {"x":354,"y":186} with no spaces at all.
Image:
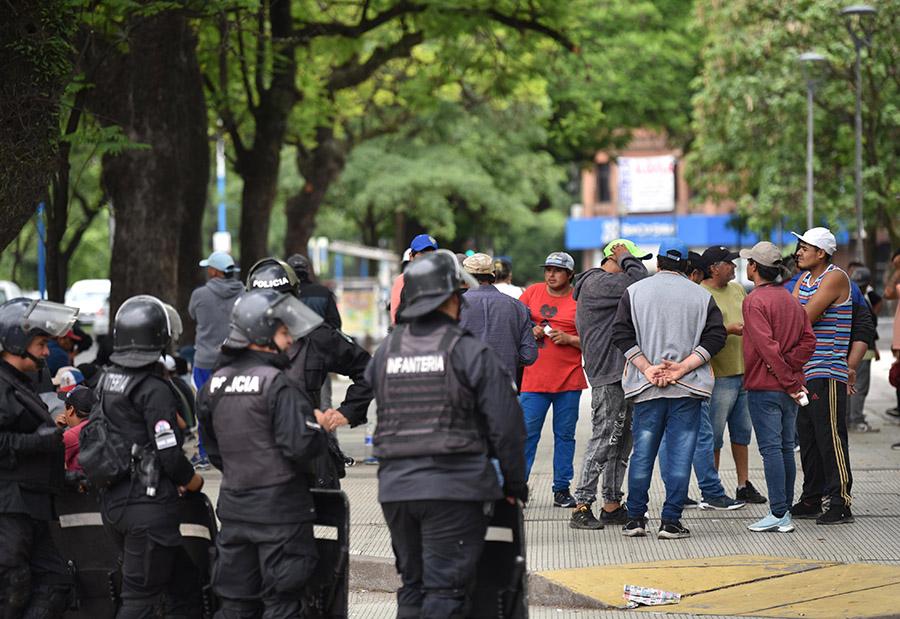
{"x":257,"y":199}
{"x":157,"y":193}
{"x":320,"y":168}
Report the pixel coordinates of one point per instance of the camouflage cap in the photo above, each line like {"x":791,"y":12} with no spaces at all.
{"x":479,"y":264}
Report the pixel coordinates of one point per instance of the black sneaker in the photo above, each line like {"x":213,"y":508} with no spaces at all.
{"x":583,"y":518}
{"x":672,"y":530}
{"x":749,"y":494}
{"x":723,"y":502}
{"x":806,"y":510}
{"x":617,"y":516}
{"x":636,"y":527}
{"x":893,"y":412}
{"x":690,"y":504}
{"x":838,"y":514}
{"x":564,"y":498}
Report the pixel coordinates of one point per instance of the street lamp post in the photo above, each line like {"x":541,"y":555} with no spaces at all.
{"x":809,"y":59}
{"x":856,"y":17}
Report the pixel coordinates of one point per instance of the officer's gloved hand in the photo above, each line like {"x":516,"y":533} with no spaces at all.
{"x":516,"y":490}
{"x":46,"y":438}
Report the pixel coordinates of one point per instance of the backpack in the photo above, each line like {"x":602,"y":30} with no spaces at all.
{"x":102,"y":452}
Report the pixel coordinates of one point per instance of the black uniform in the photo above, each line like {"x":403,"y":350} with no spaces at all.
{"x":156,"y":572}
{"x":33,"y":576}
{"x":259,"y":431}
{"x":320,"y":300}
{"x":446,"y":408}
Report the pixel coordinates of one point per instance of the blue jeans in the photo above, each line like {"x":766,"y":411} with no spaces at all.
{"x":704,"y":462}
{"x":728,"y":406}
{"x":200,"y":376}
{"x":678,"y":420}
{"x":774,"y":415}
{"x":565,"y":417}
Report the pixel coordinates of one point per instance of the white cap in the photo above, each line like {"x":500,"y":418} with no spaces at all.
{"x":819,"y":237}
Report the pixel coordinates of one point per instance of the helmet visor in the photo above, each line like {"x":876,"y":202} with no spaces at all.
{"x":55,"y":319}
{"x":293,"y":314}
{"x":175,"y":326}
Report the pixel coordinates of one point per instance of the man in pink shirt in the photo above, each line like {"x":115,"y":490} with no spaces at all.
{"x":778,"y":341}
{"x":78,"y":402}
{"x":421,"y":243}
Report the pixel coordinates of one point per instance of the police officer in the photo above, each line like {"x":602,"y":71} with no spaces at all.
{"x":446,"y":407}
{"x":34,"y":581}
{"x":140,"y":510}
{"x":259,"y":430}
{"x":323,"y":350}
{"x":314,"y":295}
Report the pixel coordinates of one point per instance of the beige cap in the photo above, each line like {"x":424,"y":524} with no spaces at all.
{"x":764,"y":253}
{"x":479,"y":264}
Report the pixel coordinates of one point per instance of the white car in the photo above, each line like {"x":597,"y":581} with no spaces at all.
{"x":91,"y":296}
{"x":9,"y":290}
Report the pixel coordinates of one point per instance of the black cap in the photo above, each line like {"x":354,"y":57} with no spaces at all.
{"x":717,"y":253}
{"x":80,"y":398}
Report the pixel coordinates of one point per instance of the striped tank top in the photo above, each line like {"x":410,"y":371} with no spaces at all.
{"x":832,"y":332}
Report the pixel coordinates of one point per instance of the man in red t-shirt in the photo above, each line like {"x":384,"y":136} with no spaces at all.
{"x":556,"y":377}
{"x":421,"y":244}
{"x":78,"y":402}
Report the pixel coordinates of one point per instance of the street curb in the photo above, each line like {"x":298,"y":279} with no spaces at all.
{"x":379,"y":574}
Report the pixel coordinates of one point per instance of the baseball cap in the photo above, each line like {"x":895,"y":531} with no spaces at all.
{"x":561,"y":260}
{"x":67,"y":378}
{"x":764,"y":253}
{"x":479,"y":264}
{"x":80,"y":398}
{"x":220,"y":261}
{"x":73,"y":336}
{"x":673,"y":249}
{"x":819,"y":237}
{"x":629,"y":245}
{"x":717,"y":253}
{"x":422,"y":242}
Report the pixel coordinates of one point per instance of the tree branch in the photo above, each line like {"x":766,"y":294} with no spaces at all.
{"x":310,"y":30}
{"x":228,"y":120}
{"x":522,"y":24}
{"x":352,"y":73}
{"x":245,"y":72}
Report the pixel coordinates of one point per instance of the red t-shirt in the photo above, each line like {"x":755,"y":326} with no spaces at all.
{"x":70,"y":440}
{"x":558,"y":368}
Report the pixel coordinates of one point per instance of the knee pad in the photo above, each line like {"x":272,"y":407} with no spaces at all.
{"x":15,"y":589}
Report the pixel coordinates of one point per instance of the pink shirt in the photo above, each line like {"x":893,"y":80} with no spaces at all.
{"x":70,"y":440}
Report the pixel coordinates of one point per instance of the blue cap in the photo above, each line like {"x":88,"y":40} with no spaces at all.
{"x":673,"y":249}
{"x":560,"y":259}
{"x":220,"y":261}
{"x":422,"y":242}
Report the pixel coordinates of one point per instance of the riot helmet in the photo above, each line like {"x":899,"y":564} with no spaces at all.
{"x":302,"y":268}
{"x":430,"y":280}
{"x":141,"y":332}
{"x":22,"y":320}
{"x":257,"y":314}
{"x":273,"y":274}
{"x":176,"y":327}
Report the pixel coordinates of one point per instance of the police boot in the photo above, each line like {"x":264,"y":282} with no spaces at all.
{"x":47,"y":603}
{"x":15,"y":589}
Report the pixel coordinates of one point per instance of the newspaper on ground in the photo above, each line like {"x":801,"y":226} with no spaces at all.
{"x":645,"y":596}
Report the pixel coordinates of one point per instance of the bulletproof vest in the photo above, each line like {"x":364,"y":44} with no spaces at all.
{"x":307,"y":374}
{"x":115,"y":390}
{"x":40,"y":472}
{"x":243,"y":426}
{"x":423,"y":409}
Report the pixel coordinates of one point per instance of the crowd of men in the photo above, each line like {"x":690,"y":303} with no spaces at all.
{"x":463,"y":384}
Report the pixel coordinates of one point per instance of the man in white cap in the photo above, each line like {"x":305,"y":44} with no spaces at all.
{"x":824,"y":292}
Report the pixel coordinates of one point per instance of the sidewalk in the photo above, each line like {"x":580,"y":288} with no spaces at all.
{"x":758,"y":570}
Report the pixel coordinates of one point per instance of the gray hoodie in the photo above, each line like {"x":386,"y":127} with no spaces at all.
{"x":597,"y":295}
{"x":210,"y":307}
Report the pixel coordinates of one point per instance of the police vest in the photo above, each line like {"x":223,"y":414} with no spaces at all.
{"x":243,"y":425}
{"x":423,"y":409}
{"x":308,"y":375}
{"x":39,"y":472}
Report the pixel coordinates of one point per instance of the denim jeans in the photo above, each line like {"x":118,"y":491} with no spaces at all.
{"x":856,"y":409}
{"x":704,"y":462}
{"x":678,"y":419}
{"x":728,"y":406}
{"x":565,"y":416}
{"x":607,"y":451}
{"x":200,"y":376}
{"x":774,"y":415}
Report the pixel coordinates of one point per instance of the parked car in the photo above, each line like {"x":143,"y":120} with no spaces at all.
{"x":9,"y":290}
{"x":91,"y":296}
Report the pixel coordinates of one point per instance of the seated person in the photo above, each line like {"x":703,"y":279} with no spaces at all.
{"x":78,"y":403}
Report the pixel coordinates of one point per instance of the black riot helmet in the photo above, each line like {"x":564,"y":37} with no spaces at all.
{"x":302,"y":268}
{"x":22,"y":320}
{"x":141,"y":332}
{"x":257,"y":314}
{"x":273,"y":274}
{"x":429,"y":280}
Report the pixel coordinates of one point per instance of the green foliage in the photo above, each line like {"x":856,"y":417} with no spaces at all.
{"x":750,"y":112}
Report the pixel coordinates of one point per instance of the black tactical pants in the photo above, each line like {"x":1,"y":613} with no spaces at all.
{"x":158,"y":576}
{"x":437,"y":545}
{"x":262,"y":568}
{"x":34,"y":581}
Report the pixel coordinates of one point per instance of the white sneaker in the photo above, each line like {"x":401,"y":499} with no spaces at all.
{"x":771,"y":523}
